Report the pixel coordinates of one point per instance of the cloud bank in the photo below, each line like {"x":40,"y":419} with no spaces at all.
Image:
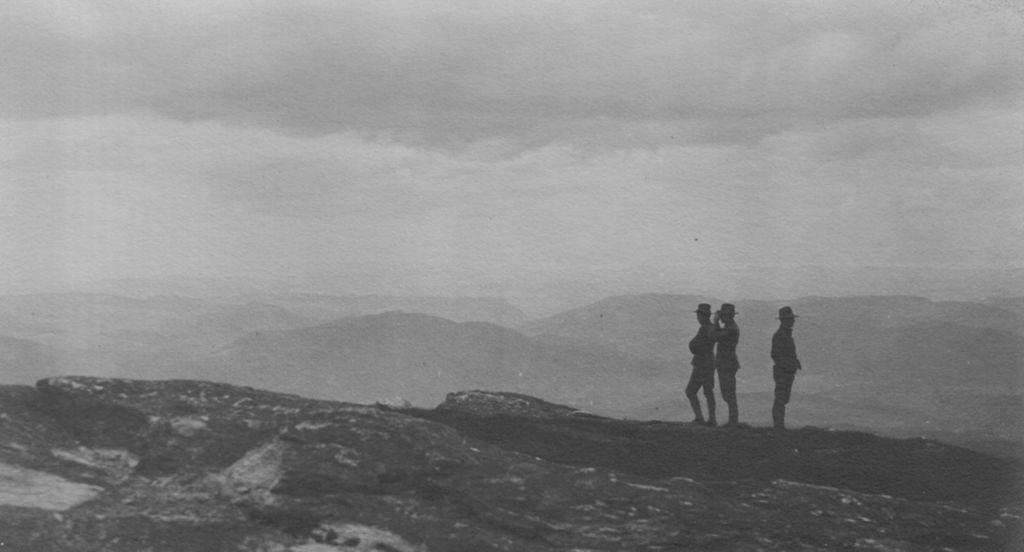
{"x":445,"y":143}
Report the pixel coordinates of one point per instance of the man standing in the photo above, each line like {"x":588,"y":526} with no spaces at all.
{"x":786,"y":365}
{"x":703,"y":373}
{"x":727,"y":335}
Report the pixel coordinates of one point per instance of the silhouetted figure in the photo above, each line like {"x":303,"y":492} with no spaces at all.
{"x":727,"y":335}
{"x":703,"y":374}
{"x":786,"y":365}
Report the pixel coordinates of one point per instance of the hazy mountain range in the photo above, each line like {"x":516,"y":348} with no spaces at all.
{"x":892,"y":363}
{"x":422,"y":358}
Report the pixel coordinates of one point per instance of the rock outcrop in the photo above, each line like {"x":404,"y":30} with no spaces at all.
{"x":488,"y":403}
{"x":190,"y":465}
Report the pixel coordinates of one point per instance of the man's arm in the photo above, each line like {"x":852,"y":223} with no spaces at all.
{"x":776,"y":348}
{"x":716,"y":330}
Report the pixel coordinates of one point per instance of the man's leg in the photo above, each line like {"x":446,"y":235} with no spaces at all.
{"x":727,"y":381}
{"x":783,"y":387}
{"x":691,"y":393}
{"x":709,"y":394}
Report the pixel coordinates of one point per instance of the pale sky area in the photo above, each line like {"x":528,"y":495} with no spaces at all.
{"x":740,"y":149}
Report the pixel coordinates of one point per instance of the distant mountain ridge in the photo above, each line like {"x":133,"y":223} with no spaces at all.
{"x":111,"y":335}
{"x":325,"y":307}
{"x":904,"y":339}
{"x":651,"y":325}
{"x":933,"y":365}
{"x":951,"y":364}
{"x":419,"y":357}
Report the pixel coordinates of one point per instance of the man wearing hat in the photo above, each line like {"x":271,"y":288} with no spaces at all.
{"x":726,"y":335}
{"x":703,"y":373}
{"x":786,"y":365}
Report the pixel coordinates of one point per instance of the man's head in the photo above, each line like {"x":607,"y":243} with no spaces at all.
{"x":728,"y":311}
{"x":786,"y":317}
{"x":703,"y":311}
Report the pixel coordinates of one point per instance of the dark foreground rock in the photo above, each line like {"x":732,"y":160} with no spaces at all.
{"x":118,"y":465}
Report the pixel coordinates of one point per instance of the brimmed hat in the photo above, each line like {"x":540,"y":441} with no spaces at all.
{"x":786,"y":312}
{"x":703,"y":308}
{"x":727,"y":308}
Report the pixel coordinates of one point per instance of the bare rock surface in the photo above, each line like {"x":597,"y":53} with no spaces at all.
{"x":487,"y":403}
{"x":192,"y":465}
{"x":27,"y":488}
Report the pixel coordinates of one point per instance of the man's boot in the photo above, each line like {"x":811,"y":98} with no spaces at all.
{"x":779,"y":415}
{"x":712,"y":422}
{"x":734,"y":414}
{"x":698,"y":416}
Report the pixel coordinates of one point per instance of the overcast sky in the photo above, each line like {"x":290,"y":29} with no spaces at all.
{"x":447,"y":146}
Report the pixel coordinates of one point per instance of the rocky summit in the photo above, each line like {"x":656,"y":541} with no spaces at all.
{"x":91,"y":464}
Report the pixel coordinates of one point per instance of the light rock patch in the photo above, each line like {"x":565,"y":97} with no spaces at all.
{"x":256,"y":473}
{"x":35,"y":489}
{"x":188,"y":427}
{"x":350,"y":537}
{"x":115,"y":463}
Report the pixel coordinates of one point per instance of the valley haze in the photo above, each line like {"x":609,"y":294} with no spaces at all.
{"x":898,"y":365}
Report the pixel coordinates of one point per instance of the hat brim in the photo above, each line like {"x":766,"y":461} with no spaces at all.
{"x":787,"y":317}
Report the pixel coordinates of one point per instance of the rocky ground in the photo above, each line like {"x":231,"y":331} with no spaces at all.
{"x":117,"y":465}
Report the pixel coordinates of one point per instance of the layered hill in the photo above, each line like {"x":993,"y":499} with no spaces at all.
{"x":904,"y":365}
{"x":120,"y":465}
{"x":111,"y":335}
{"x":419,"y":357}
{"x":324,"y":307}
{"x":320,"y":305}
{"x":659,"y":325}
